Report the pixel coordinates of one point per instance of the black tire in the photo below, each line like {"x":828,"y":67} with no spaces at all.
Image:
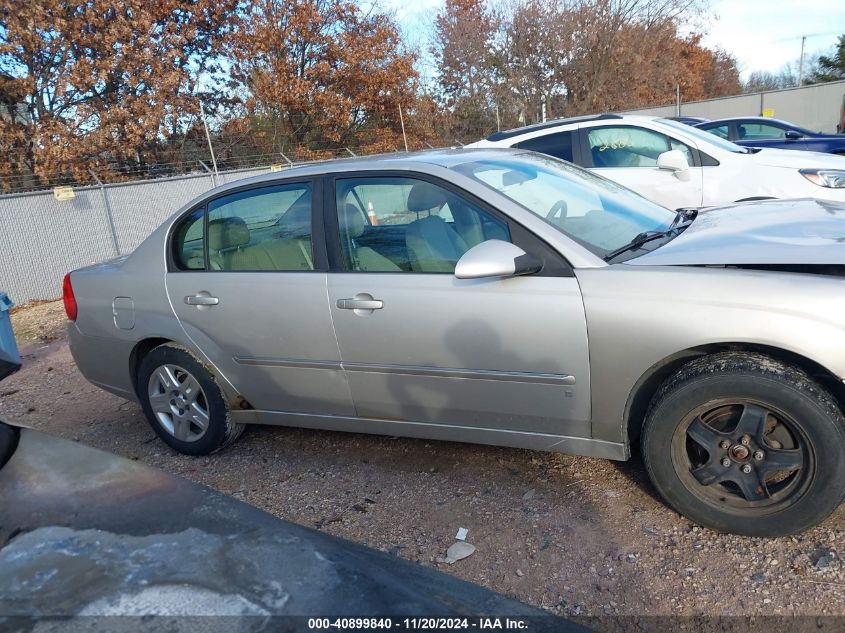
{"x":8,"y":443}
{"x":178,"y":419}
{"x":742,"y":443}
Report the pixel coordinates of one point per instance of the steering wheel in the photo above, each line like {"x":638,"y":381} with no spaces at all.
{"x":559,"y":207}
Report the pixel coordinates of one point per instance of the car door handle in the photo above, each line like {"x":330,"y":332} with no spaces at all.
{"x":360,"y":304}
{"x":201,"y":300}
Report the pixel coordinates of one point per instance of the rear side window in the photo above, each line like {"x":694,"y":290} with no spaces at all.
{"x":267,"y":229}
{"x":189,"y":242}
{"x":558,"y":145}
{"x":757,"y":131}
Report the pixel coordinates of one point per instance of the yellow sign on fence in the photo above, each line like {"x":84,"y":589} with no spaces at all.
{"x":63,"y":193}
{"x":769,"y":112}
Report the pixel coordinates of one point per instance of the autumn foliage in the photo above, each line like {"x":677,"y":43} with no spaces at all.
{"x":100,"y":84}
{"x":320,"y":74}
{"x":571,"y":56}
{"x":116,"y":87}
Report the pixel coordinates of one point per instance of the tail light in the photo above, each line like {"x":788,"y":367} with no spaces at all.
{"x":69,"y":299}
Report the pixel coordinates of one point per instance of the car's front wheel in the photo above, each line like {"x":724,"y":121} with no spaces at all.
{"x":183,"y":403}
{"x":743,"y":443}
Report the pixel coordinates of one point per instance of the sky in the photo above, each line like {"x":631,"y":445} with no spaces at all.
{"x":766,"y":34}
{"x":761,"y":34}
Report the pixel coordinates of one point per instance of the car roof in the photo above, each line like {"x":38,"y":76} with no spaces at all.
{"x":447,"y":157}
{"x":500,"y":136}
{"x":761,"y":119}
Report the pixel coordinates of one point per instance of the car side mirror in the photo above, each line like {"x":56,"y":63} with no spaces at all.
{"x":792,"y":135}
{"x":496,"y":258}
{"x":675,"y":161}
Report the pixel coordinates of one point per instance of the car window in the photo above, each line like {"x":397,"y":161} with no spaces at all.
{"x":395,"y":224}
{"x":702,"y":138}
{"x":754,"y":131}
{"x":189,"y":241}
{"x":627,"y":146}
{"x":722,"y":131}
{"x":594,"y":211}
{"x":558,"y":145}
{"x":266,"y":229}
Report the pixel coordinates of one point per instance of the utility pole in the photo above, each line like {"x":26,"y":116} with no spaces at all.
{"x":677,"y":99}
{"x":801,"y":62}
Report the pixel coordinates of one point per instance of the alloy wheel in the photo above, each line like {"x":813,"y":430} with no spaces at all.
{"x":178,"y":402}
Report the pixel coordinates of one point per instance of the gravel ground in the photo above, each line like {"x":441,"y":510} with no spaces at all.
{"x":573,"y":535}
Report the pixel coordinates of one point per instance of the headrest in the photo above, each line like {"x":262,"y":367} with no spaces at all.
{"x":225,"y":233}
{"x":352,"y":221}
{"x":425,"y":196}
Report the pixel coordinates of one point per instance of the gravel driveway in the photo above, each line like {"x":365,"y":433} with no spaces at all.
{"x":573,"y":535}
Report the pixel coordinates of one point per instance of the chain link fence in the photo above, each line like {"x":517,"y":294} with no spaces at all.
{"x":42,"y":238}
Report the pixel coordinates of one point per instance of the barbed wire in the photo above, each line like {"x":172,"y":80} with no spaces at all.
{"x":228,"y":160}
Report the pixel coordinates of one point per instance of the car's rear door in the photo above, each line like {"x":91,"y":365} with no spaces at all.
{"x":247,"y":281}
{"x":421,"y":346}
{"x":628,"y":155}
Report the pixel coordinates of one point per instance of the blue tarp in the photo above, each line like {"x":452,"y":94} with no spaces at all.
{"x":10,"y":359}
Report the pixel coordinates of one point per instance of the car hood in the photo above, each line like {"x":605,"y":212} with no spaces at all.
{"x":801,"y":231}
{"x":88,"y":535}
{"x":798,"y":160}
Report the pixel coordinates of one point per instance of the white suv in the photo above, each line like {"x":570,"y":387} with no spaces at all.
{"x":677,"y":165}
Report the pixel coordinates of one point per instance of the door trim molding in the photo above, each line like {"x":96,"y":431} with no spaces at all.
{"x":472,"y":374}
{"x":288,"y":362}
{"x":413,"y":370}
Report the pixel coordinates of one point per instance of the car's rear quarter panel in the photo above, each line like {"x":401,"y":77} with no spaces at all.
{"x":102,"y":350}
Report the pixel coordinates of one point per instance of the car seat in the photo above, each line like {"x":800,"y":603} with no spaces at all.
{"x":433,"y":245}
{"x":225,"y":235}
{"x":353,"y":223}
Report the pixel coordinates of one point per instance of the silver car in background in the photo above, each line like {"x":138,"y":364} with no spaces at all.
{"x":498,"y":297}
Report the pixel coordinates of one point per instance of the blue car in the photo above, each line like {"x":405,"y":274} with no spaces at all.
{"x":758,"y":131}
{"x":688,"y":120}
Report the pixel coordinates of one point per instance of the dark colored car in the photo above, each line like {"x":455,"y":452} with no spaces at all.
{"x":689,"y":120}
{"x":86,"y":535}
{"x":758,"y":131}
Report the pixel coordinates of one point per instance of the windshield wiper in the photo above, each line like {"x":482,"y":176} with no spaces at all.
{"x":683,"y":218}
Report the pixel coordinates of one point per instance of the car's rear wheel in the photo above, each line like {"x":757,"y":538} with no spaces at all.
{"x":743,"y":443}
{"x":183,"y":403}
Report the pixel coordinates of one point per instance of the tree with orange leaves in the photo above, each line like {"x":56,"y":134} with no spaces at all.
{"x":100,"y":83}
{"x":319,"y":74}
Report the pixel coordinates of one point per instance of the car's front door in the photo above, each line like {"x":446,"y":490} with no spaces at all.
{"x":248,"y":284}
{"x":628,"y":155}
{"x":422,"y":346}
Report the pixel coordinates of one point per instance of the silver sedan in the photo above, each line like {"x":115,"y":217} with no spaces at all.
{"x":499,"y":297}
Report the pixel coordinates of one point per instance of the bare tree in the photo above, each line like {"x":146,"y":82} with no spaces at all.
{"x":462,"y":46}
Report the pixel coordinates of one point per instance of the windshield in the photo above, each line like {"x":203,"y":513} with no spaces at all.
{"x":705,"y":137}
{"x":596,"y":212}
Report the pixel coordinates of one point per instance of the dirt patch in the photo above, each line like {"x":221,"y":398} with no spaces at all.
{"x":41,"y":321}
{"x":573,"y":535}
